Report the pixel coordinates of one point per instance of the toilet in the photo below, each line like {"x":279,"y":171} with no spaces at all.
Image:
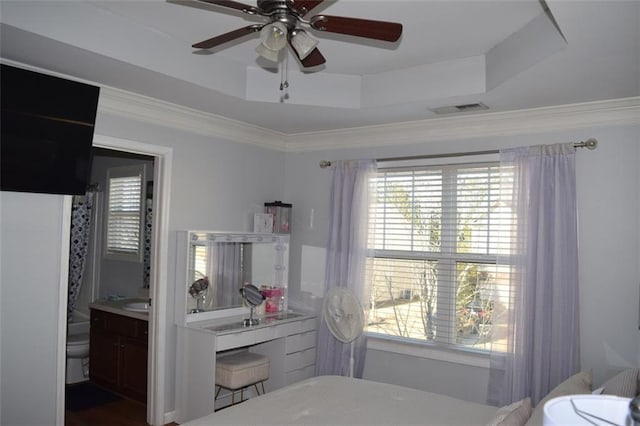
{"x":77,"y":357}
{"x":78,"y":345}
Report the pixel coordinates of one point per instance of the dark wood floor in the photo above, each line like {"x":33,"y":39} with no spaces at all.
{"x":123,"y":412}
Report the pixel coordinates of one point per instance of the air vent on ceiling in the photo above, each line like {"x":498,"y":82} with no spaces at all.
{"x":479,"y":106}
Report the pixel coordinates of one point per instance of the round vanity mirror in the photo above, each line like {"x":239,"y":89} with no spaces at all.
{"x":198,"y":290}
{"x":251,"y":294}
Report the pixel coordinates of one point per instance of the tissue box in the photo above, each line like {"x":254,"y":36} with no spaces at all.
{"x":263,"y":223}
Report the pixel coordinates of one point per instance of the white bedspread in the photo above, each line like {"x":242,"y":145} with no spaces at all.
{"x":334,"y":400}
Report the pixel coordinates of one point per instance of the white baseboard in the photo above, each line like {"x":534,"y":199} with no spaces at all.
{"x":169,"y":417}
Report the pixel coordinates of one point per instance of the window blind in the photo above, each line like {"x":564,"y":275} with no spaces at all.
{"x":124,"y":215}
{"x":201,"y":260}
{"x":434,"y":240}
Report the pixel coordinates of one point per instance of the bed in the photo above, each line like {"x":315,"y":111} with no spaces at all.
{"x":339,"y":400}
{"x":335,"y":400}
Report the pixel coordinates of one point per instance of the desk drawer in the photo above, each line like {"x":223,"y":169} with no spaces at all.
{"x":265,"y":334}
{"x":235,"y":340}
{"x":299,"y":342}
{"x":288,"y":328}
{"x":307,"y":325}
{"x":298,"y":375}
{"x":299,"y":360}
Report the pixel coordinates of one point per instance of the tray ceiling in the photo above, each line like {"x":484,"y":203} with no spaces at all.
{"x":506,"y":54}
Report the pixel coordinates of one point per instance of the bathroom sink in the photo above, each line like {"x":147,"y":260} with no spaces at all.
{"x":137,"y":306}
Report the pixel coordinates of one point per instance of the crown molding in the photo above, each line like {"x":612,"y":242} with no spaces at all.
{"x":149,"y":110}
{"x":624,"y":111}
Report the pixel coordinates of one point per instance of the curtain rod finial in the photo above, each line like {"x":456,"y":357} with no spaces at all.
{"x":324,"y":164}
{"x":591,"y":143}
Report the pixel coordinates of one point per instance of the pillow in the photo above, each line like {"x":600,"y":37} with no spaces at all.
{"x":577,"y":384}
{"x":515,"y":414}
{"x":624,"y":384}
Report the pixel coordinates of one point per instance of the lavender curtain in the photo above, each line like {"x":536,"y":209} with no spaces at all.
{"x":346,"y":258}
{"x":81,"y":210}
{"x":541,"y":317}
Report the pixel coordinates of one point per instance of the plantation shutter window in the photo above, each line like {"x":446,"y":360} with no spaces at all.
{"x":124,"y":222}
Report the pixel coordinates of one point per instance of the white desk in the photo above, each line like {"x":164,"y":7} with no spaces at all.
{"x":288,"y":339}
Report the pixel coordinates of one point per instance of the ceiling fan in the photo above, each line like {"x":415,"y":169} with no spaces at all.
{"x":283,"y":28}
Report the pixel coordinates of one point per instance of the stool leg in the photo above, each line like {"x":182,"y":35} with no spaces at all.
{"x":262,"y":384}
{"x":217,"y":393}
{"x":255,"y":385}
{"x":241,"y":394}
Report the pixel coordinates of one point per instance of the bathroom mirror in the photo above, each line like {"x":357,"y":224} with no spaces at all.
{"x":228,"y":261}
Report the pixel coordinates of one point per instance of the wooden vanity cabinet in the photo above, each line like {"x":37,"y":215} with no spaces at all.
{"x":118,"y":353}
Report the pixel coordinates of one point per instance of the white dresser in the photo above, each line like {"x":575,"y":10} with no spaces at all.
{"x":288,"y":339}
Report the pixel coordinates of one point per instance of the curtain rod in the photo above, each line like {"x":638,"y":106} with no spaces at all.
{"x":590,"y":143}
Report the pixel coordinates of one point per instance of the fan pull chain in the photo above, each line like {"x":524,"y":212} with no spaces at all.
{"x":284,"y":77}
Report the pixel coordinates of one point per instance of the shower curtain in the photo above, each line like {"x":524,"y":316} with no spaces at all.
{"x":148,"y":230}
{"x":80,"y":232}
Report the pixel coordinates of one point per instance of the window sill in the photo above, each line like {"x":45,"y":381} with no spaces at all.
{"x":427,"y":350}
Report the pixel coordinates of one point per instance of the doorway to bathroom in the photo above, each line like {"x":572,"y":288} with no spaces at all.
{"x":102,"y":281}
{"x":95,"y":273}
{"x":110,"y":253}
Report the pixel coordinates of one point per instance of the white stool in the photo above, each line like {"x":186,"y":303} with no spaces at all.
{"x":239,"y":371}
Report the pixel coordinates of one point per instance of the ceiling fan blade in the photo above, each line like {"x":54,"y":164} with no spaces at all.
{"x":251,"y":10}
{"x":226,"y":37}
{"x":314,"y":59}
{"x":304,"y":6}
{"x":377,"y":30}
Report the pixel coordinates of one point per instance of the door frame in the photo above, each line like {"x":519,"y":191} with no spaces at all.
{"x":158,"y":286}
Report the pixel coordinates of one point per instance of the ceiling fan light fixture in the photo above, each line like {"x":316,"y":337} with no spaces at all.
{"x":303,"y":43}
{"x":268,"y":54}
{"x":273,"y":36}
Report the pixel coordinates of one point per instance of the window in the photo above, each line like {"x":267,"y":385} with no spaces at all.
{"x":434,"y":244}
{"x":124,"y":213}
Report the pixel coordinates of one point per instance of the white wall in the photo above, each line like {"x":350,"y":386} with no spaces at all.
{"x":609,"y":237}
{"x":31,"y":249}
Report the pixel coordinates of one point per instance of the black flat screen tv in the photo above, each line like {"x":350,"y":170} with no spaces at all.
{"x":46,"y":132}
